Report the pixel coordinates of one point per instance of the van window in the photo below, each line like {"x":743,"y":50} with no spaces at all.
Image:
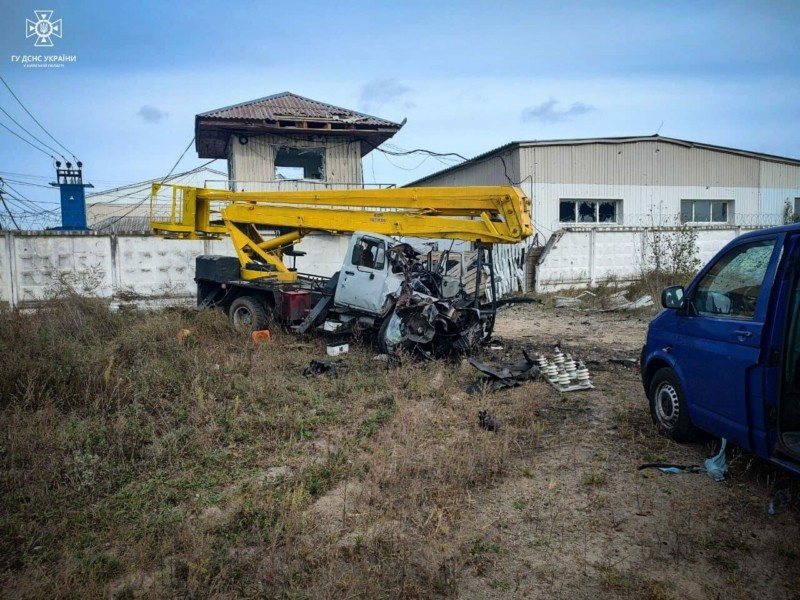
{"x":732,"y":287}
{"x":791,"y":369}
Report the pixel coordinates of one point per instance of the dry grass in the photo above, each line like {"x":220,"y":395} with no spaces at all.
{"x":140,"y":463}
{"x":134,"y":461}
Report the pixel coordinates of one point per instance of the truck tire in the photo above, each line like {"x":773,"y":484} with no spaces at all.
{"x":668,"y":407}
{"x":248,"y":314}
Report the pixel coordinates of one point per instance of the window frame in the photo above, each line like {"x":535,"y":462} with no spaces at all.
{"x":728,"y":204}
{"x":298,"y":150}
{"x":576,"y":211}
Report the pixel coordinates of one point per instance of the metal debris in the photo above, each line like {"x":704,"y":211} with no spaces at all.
{"x":324,"y":367}
{"x":618,"y":301}
{"x":504,"y":376}
{"x":486,"y":421}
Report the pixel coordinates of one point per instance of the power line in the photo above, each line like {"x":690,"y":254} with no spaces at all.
{"x":27,"y":142}
{"x":178,"y":161}
{"x":147,"y":196}
{"x":20,"y":182}
{"x":13,"y":120}
{"x":34,"y":118}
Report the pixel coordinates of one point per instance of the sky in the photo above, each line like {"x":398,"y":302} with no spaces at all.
{"x":467,"y":75}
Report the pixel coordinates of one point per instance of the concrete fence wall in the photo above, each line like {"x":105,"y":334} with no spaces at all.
{"x":122,"y":267}
{"x":578,"y":257}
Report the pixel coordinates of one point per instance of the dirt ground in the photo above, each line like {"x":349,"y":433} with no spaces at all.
{"x":580,"y":521}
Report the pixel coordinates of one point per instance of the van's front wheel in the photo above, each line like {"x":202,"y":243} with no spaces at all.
{"x":668,"y":406}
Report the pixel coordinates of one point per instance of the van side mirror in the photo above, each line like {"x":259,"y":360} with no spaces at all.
{"x":672,"y":297}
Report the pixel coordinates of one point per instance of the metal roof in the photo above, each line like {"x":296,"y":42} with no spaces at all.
{"x":286,"y":114}
{"x":608,"y":140}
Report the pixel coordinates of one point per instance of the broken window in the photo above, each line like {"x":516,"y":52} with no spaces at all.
{"x":706,"y":211}
{"x":590,"y":211}
{"x":300,"y":163}
{"x":369,"y":253}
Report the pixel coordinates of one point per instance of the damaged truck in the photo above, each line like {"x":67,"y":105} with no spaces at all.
{"x":399,"y":293}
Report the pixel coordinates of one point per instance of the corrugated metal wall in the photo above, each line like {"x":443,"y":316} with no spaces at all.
{"x":255,"y":160}
{"x":650,"y":177}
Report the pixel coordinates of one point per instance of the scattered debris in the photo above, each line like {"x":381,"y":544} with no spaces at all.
{"x":337,"y":349}
{"x":505,"y":376}
{"x":631,"y":363}
{"x":486,"y":421}
{"x":716,"y":467}
{"x":259,"y":337}
{"x":780,"y":501}
{"x":567,"y":302}
{"x":618,"y":301}
{"x":323,"y":367}
{"x":183,"y":335}
{"x":564,"y":373}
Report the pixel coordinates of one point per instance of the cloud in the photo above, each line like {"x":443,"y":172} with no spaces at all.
{"x":380,"y":92}
{"x":546,"y":112}
{"x":151,"y":114}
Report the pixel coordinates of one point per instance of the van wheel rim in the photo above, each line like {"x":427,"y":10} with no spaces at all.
{"x":667,"y":405}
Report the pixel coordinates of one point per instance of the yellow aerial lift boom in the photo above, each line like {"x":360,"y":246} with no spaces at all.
{"x":261,"y":282}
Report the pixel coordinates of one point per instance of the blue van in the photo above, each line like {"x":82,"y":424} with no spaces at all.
{"x":723,"y":357}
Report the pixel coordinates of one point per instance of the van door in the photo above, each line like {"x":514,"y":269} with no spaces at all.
{"x":719,"y":338}
{"x":782,"y":379}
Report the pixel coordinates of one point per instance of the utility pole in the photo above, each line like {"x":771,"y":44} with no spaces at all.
{"x":10,"y":215}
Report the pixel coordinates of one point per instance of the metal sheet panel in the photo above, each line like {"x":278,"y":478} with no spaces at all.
{"x":638,"y":163}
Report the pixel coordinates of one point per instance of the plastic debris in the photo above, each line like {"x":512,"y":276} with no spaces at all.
{"x":323,"y":367}
{"x":717,"y":466}
{"x":779,"y":502}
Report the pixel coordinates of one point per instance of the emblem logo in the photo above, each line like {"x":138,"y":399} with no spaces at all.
{"x":43,"y":28}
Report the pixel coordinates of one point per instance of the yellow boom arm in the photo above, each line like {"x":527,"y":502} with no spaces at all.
{"x":496,"y":214}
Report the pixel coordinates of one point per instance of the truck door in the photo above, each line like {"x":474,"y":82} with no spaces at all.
{"x":720,"y":337}
{"x":363,"y":277}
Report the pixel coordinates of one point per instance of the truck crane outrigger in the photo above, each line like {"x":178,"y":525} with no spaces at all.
{"x":384,"y":285}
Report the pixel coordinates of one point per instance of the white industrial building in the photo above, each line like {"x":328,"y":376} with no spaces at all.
{"x":594,"y":199}
{"x":636,"y":181}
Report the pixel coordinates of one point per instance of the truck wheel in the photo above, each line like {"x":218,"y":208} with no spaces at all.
{"x":668,"y":406}
{"x":248,"y":314}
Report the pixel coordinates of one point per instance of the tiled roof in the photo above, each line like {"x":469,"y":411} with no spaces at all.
{"x":291,"y":107}
{"x":288,"y":115}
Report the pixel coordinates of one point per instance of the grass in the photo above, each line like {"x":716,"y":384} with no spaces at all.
{"x":137,"y":463}
{"x":134,"y":461}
